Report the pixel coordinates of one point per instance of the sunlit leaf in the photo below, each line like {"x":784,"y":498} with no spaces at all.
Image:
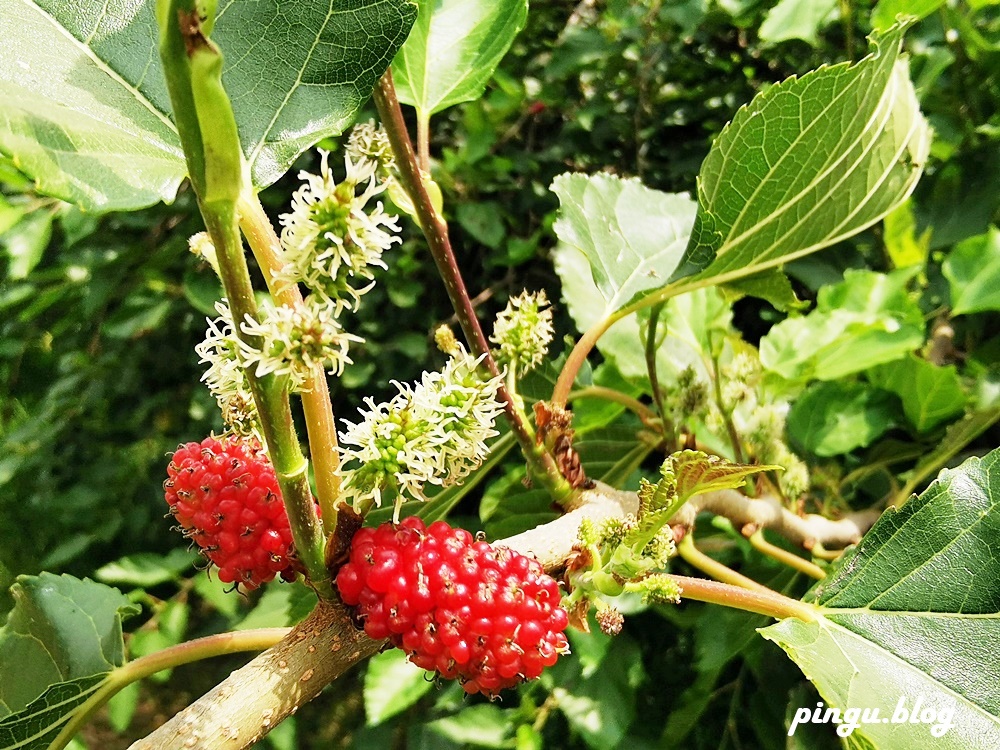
{"x":867,"y":319}
{"x":902,"y":244}
{"x":809,"y":162}
{"x":687,"y":322}
{"x":453,"y":50}
{"x":632,"y":236}
{"x":973,"y":272}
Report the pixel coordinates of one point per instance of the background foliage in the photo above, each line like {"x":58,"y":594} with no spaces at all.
{"x":99,"y":316}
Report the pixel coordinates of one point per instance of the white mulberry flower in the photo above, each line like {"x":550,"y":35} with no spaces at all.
{"x":331,"y":239}
{"x":225,"y":376}
{"x":434,"y":432}
{"x":370,"y":141}
{"x":296,"y":342}
{"x":523,"y":331}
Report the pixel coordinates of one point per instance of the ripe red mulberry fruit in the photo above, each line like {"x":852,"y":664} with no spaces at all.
{"x":225,"y":497}
{"x":487,"y":616}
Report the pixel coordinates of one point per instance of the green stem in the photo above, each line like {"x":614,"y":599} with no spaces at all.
{"x":543,"y":467}
{"x":192,"y":66}
{"x":790,"y":559}
{"x":271,"y":398}
{"x":320,"y":420}
{"x":711,"y":567}
{"x":168,"y":658}
{"x":669,"y":434}
{"x":763,"y":602}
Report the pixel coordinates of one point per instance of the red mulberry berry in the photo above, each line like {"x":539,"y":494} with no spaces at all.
{"x":225,"y":497}
{"x":487,"y":616}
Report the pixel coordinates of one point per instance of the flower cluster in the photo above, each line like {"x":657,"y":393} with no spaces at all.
{"x":740,"y":379}
{"x":201,"y":245}
{"x":523,"y":331}
{"x":765,"y":433}
{"x":434,"y":432}
{"x":331,"y":239}
{"x":295,"y":342}
{"x":370,"y":141}
{"x":225,"y":376}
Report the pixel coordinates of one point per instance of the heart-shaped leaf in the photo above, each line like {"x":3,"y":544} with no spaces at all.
{"x":913,"y":615}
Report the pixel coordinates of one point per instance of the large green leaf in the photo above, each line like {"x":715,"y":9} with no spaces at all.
{"x":913,"y":613}
{"x":837,"y":416}
{"x":808,"y":163}
{"x":84,"y":108}
{"x":61,"y":628}
{"x":62,"y":638}
{"x":453,"y":50}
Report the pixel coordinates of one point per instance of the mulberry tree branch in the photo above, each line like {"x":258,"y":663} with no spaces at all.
{"x":254,"y":699}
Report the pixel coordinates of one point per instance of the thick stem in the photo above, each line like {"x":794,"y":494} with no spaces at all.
{"x":767,"y":512}
{"x":544,"y":469}
{"x":253,"y":700}
{"x":168,"y":658}
{"x":320,"y":420}
{"x":272,"y":405}
{"x":766,"y":602}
